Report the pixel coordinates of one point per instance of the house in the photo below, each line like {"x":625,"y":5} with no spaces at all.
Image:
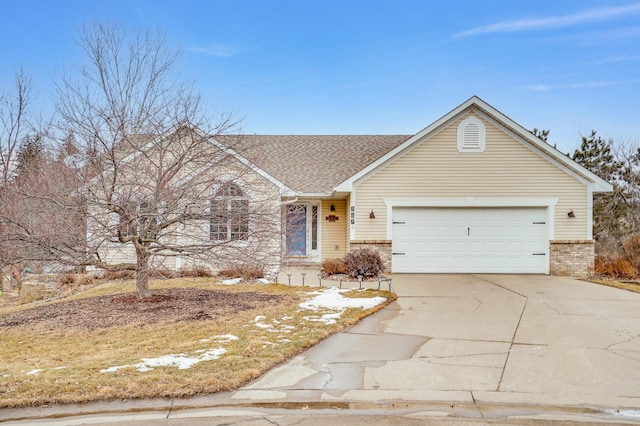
{"x":473,"y":192}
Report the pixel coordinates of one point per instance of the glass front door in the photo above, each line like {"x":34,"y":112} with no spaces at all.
{"x":302,"y":230}
{"x":296,"y":230}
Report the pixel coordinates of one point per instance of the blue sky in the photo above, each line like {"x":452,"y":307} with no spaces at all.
{"x":369,"y":67}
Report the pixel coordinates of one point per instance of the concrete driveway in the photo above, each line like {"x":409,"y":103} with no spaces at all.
{"x":477,"y":341}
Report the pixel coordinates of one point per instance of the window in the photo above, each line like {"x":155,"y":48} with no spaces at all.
{"x":314,"y":227}
{"x":471,"y":135}
{"x":229,"y":220}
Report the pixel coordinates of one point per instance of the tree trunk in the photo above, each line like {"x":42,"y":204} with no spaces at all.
{"x":142,"y":273}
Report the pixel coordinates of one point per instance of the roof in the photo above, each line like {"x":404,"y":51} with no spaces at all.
{"x":312,"y":164}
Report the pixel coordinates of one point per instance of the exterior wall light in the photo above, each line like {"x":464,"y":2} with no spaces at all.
{"x":333,"y":208}
{"x":372,"y":215}
{"x":571,"y":214}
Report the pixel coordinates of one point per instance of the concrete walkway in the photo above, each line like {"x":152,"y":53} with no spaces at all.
{"x":468,"y":346}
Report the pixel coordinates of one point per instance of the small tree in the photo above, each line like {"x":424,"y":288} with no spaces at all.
{"x":153,"y":177}
{"x":616,"y":214}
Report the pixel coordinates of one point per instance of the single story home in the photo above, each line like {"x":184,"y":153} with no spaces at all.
{"x":473,"y":192}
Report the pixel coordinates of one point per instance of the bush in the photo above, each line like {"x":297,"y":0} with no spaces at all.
{"x":196,"y":272}
{"x":365,"y":262}
{"x":246,"y":271}
{"x":334,"y":267}
{"x":125,"y":274}
{"x":614,"y":267}
{"x":631,"y":248}
{"x":86,"y":280}
{"x":161,"y":273}
{"x":67,"y":280}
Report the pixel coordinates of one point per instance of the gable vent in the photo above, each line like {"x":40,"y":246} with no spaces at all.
{"x":471,"y":135}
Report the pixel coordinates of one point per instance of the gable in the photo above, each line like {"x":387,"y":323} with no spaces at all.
{"x":595,"y":183}
{"x":434,"y":167}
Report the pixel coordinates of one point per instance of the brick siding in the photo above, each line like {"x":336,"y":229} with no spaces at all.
{"x":571,"y":257}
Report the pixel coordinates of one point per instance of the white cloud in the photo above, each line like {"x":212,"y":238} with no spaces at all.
{"x":222,"y":50}
{"x":529,"y":24}
{"x":615,"y":59}
{"x":583,"y":85}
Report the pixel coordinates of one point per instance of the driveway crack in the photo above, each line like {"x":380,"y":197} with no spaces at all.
{"x":515,"y":332}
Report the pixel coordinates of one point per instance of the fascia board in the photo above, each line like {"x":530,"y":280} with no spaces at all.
{"x":597,"y":183}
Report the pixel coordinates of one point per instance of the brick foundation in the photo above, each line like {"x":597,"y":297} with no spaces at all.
{"x":571,"y":257}
{"x":381,"y":246}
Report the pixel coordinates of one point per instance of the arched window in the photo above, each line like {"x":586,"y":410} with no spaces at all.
{"x":471,"y":135}
{"x":229,"y":220}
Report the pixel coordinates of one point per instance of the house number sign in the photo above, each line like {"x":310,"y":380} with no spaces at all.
{"x":353,"y":215}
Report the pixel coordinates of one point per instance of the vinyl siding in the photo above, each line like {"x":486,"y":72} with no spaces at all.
{"x":334,"y":240}
{"x":433,"y":168}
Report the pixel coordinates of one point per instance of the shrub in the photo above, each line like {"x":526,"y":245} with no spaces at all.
{"x":67,"y":280}
{"x":125,"y":274}
{"x":196,"y":272}
{"x":631,"y":248}
{"x":365,"y":262}
{"x":246,"y":271}
{"x":614,"y":267}
{"x":334,"y":267}
{"x":86,"y":280}
{"x":161,"y":273}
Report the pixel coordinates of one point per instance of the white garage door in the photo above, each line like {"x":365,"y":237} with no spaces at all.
{"x":469,"y":240}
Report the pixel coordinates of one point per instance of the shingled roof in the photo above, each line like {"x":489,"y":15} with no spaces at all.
{"x":315,"y":163}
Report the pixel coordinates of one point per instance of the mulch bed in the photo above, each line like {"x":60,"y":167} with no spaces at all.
{"x":168,"y":305}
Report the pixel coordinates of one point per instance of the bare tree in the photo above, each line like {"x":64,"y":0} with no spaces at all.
{"x":40,"y":215}
{"x":14,"y":106}
{"x":157,"y":187}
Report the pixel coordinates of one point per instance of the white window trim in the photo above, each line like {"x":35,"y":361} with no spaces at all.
{"x":248,"y":196}
{"x":482,"y":136}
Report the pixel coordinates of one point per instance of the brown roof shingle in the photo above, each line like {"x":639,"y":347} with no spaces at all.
{"x":314,"y":163}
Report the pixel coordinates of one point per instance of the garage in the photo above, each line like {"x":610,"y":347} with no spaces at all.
{"x":470,"y":240}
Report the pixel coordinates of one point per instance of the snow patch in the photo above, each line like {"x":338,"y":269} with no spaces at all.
{"x":181,"y":361}
{"x":34,"y":371}
{"x":225,"y":338}
{"x":331,"y":299}
{"x":232,"y":281}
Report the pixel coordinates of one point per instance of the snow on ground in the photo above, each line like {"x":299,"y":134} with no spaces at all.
{"x":329,"y":303}
{"x":181,"y":361}
{"x":332,"y":300}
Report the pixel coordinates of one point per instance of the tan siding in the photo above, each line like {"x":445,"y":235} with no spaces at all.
{"x":506,"y":169}
{"x":334,"y":233}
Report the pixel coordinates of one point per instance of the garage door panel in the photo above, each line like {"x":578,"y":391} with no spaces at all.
{"x":469,"y":240}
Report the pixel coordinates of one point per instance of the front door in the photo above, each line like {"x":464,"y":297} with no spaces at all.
{"x":302,"y":231}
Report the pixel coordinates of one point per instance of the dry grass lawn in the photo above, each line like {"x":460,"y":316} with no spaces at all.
{"x":45,"y":362}
{"x":624,"y":285}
